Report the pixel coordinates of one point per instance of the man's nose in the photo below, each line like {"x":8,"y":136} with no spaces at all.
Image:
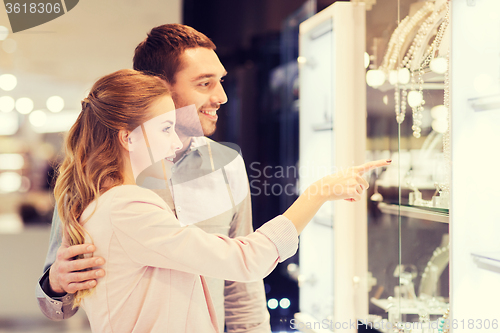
{"x":219,"y":95}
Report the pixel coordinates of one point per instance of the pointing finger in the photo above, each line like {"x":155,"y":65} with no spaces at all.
{"x":371,"y":165}
{"x":363,"y":182}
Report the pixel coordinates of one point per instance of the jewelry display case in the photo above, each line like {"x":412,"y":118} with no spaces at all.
{"x":421,"y":253}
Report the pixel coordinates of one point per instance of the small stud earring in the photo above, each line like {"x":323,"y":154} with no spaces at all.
{"x":129,"y":140}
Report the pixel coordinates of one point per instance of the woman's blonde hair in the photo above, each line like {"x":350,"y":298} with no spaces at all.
{"x":93,"y":162}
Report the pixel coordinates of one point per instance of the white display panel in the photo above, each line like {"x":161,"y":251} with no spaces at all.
{"x":316,"y":161}
{"x":475,"y":227}
{"x":333,"y":252}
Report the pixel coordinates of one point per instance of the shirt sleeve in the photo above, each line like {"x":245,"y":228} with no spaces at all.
{"x":53,"y":307}
{"x":151,"y":235}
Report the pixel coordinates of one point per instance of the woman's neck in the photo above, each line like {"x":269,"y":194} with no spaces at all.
{"x":127,"y":172}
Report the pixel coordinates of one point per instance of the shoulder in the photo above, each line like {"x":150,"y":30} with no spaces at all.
{"x":227,"y":155}
{"x":127,"y":195}
{"x":226,"y":150}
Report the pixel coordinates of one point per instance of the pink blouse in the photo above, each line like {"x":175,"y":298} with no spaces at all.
{"x":154,"y":267}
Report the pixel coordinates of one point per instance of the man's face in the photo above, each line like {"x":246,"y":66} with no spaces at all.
{"x":199,"y":82}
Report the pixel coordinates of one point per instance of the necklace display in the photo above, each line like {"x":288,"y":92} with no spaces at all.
{"x":444,"y":326}
{"x":445,"y":187}
{"x":433,"y":49}
{"x":400,"y":35}
{"x":396,"y":42}
{"x":416,"y":76}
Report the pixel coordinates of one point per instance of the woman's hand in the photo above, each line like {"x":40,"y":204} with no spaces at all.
{"x":346,"y":184}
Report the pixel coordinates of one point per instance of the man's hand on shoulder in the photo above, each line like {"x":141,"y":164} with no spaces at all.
{"x":68,"y":275}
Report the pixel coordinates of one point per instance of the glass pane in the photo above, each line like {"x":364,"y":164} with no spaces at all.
{"x":408,"y":121}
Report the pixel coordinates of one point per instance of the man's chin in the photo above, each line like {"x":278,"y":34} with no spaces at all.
{"x":209,"y":130}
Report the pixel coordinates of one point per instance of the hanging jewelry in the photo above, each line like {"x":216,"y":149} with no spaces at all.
{"x":443,"y":322}
{"x":434,"y":47}
{"x":416,"y":77}
{"x":400,"y":34}
{"x":446,"y":136}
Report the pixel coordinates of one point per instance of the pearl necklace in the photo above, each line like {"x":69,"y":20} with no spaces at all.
{"x":399,"y":36}
{"x":434,"y":47}
{"x":391,"y":57}
{"x":444,"y":325}
{"x":445,"y":187}
{"x":423,"y":32}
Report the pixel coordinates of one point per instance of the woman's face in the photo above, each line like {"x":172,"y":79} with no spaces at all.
{"x":155,"y":142}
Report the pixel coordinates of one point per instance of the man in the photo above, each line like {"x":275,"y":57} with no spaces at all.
{"x":187,"y":60}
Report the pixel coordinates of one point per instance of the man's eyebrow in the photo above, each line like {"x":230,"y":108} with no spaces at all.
{"x":206,"y":76}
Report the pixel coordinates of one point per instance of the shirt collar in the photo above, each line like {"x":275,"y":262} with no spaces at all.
{"x":196,"y":143}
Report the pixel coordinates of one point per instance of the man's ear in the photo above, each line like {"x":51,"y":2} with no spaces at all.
{"x":125,"y":140}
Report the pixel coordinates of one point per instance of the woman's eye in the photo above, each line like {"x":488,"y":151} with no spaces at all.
{"x":166,"y":129}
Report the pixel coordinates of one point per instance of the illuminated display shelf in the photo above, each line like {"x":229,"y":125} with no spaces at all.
{"x":488,"y":260}
{"x":424,"y":213}
{"x":485,"y":103}
{"x":432,"y":81}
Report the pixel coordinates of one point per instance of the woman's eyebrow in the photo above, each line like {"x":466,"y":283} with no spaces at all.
{"x":167,"y":121}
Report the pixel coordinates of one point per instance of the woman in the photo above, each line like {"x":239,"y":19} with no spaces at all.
{"x":154,"y":267}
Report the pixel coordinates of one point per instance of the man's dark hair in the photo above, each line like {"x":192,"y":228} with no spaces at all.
{"x":160,"y":52}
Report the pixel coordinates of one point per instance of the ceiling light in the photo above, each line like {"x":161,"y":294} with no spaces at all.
{"x":38,"y":118}
{"x":10,"y":182}
{"x":11,"y":161}
{"x":55,"y":104}
{"x":7,"y":104}
{"x":58,"y":122}
{"x":9,"y":123}
{"x":8,"y":82}
{"x":24,"y":105}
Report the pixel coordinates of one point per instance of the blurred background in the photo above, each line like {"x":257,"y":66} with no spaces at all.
{"x":46,"y":71}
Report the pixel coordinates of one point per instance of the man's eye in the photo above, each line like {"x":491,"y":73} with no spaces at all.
{"x":204,"y":84}
{"x":167,"y":129}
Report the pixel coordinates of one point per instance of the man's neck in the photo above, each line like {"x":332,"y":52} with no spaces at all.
{"x":186,"y":143}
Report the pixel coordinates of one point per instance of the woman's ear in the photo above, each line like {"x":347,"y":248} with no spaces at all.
{"x":125,"y":140}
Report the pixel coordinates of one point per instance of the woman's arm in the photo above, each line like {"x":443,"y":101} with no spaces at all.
{"x":346,"y":184}
{"x":151,"y":235}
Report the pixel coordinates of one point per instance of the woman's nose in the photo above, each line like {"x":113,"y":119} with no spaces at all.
{"x":177,"y":144}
